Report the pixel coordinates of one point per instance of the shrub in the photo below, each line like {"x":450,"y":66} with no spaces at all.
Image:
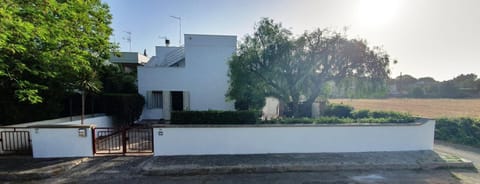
{"x":458,"y":130}
{"x":125,"y":108}
{"x":345,"y":111}
{"x":361,"y":114}
{"x":338,"y":110}
{"x":337,"y":120}
{"x":215,"y":117}
{"x":391,"y":115}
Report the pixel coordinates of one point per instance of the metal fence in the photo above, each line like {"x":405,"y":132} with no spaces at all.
{"x":123,"y":140}
{"x":15,"y":141}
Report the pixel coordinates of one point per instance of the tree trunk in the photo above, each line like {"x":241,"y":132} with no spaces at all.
{"x":70,"y":102}
{"x":83,"y":108}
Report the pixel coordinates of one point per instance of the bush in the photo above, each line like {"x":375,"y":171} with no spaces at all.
{"x":125,"y":108}
{"x":337,"y":120}
{"x":338,"y":110}
{"x":458,"y":130}
{"x":361,"y":114}
{"x":215,"y":117}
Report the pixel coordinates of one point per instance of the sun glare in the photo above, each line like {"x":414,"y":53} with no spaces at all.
{"x":377,"y":12}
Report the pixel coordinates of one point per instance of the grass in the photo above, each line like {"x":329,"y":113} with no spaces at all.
{"x":428,"y":108}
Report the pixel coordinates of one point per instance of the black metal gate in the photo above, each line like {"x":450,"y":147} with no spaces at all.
{"x":123,"y":140}
{"x":15,"y":141}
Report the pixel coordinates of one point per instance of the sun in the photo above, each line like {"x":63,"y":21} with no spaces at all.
{"x":377,"y":12}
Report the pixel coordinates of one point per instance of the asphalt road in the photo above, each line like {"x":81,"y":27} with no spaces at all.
{"x":466,"y":152}
{"x":125,"y":170}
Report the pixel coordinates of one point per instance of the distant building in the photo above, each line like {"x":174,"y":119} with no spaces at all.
{"x":193,"y":77}
{"x":129,"y":60}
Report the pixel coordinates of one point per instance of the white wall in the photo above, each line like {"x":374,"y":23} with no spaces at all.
{"x":152,"y":113}
{"x":292,"y":139}
{"x":60,"y":142}
{"x":99,"y":122}
{"x":204,"y":75}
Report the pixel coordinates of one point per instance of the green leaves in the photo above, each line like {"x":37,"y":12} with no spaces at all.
{"x":45,"y":44}
{"x":272,"y":62}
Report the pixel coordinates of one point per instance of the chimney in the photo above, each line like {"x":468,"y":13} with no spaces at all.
{"x":167,"y":42}
{"x":145,"y":52}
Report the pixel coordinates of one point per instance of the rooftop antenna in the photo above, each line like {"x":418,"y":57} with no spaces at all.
{"x":180,"y":32}
{"x":129,"y":40}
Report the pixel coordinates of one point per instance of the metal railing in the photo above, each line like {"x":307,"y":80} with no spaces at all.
{"x":123,"y":140}
{"x":14,"y":141}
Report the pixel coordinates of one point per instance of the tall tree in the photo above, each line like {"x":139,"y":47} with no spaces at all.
{"x":46,"y":46}
{"x":272,"y":62}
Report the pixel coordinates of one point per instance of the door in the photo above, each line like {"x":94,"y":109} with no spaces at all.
{"x":177,"y":100}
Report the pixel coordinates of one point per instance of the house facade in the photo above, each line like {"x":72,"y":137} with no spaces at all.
{"x":192,"y":77}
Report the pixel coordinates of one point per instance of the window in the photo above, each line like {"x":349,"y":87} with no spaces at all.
{"x":154,"y":99}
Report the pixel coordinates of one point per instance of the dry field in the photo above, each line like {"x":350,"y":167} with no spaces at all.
{"x":429,"y":108}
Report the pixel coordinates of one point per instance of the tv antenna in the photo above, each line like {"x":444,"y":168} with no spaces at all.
{"x":180,"y":31}
{"x":129,"y":40}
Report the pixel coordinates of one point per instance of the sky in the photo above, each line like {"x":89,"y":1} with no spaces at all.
{"x":435,"y":38}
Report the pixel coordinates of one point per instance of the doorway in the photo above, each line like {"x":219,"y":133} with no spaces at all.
{"x":177,"y":100}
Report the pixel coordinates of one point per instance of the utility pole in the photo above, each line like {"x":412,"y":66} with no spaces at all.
{"x":180,"y":31}
{"x":129,"y":40}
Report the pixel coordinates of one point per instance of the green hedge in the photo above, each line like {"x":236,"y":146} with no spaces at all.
{"x":345,"y":111}
{"x":338,"y":110}
{"x":337,"y":120}
{"x":458,"y":130}
{"x":215,"y":117}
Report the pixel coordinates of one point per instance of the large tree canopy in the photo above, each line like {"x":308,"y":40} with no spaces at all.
{"x":45,"y":43}
{"x":296,"y":70}
{"x":47,"y":48}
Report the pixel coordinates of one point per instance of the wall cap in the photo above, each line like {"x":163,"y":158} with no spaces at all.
{"x":62,"y":126}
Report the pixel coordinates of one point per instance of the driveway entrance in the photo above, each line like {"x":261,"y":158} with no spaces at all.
{"x":123,"y":140}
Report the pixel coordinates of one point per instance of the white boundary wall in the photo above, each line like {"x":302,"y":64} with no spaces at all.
{"x":48,"y":142}
{"x":259,"y":139}
{"x":99,"y":120}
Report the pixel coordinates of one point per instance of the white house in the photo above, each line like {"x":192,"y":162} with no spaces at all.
{"x":193,"y":77}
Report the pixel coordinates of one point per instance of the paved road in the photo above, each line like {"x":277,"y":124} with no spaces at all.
{"x":397,"y":176}
{"x":126,"y":170}
{"x":466,"y":152}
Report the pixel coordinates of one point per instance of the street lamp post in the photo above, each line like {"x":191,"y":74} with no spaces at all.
{"x":180,"y":31}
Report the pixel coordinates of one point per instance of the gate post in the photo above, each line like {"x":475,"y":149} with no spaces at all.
{"x":93,"y":141}
{"x":124,"y":140}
